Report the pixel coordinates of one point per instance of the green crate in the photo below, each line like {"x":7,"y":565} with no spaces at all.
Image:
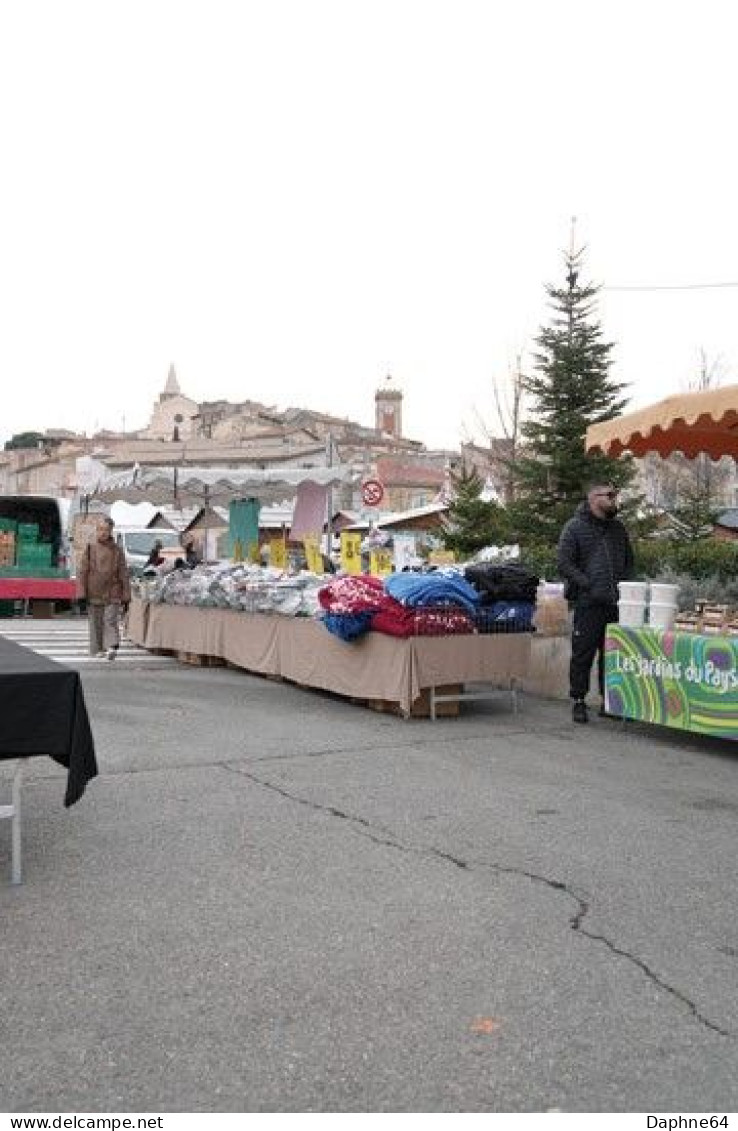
{"x":8,"y":526}
{"x":29,"y":555}
{"x":28,"y":532}
{"x":33,"y":571}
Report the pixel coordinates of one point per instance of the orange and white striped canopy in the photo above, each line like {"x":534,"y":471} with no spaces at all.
{"x":691,"y":423}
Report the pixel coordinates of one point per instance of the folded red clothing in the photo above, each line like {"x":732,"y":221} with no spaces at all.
{"x":355,"y":594}
{"x":446,"y":621}
{"x":395,"y":619}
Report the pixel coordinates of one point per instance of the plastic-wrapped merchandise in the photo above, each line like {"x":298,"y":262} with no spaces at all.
{"x":245,"y":587}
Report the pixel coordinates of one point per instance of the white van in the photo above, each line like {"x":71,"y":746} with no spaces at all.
{"x":138,"y":542}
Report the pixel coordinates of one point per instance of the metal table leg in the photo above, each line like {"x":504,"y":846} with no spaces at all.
{"x":12,"y":812}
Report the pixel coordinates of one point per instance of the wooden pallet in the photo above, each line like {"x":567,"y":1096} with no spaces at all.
{"x":419,"y":710}
{"x":200,"y":661}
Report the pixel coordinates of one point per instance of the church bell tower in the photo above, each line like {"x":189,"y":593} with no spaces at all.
{"x":388,"y":409}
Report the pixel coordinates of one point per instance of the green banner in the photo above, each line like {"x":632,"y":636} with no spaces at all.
{"x":674,"y":679}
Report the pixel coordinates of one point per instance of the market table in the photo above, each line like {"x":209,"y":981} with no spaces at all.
{"x":43,"y":712}
{"x":677,"y":679}
{"x":376,"y":667}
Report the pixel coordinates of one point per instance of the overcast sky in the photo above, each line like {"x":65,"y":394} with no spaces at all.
{"x":290,"y":199}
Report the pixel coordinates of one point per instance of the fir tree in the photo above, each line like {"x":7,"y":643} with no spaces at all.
{"x":569,"y":389}
{"x":474,"y":523}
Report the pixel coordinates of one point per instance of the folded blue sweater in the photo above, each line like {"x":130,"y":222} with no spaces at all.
{"x":416,"y":589}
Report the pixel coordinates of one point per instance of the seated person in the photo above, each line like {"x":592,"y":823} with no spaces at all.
{"x":191,"y":556}
{"x":155,"y":558}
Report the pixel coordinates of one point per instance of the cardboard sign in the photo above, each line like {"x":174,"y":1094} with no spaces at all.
{"x":278,"y":553}
{"x":350,"y":552}
{"x":380,"y":563}
{"x":405,"y":551}
{"x":442,"y":557}
{"x":313,"y":554}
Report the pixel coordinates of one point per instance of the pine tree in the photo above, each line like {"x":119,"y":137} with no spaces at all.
{"x":474,"y":523}
{"x":568,"y":390}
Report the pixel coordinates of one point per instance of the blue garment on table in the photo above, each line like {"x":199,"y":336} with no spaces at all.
{"x":421,"y":589}
{"x":348,"y":626}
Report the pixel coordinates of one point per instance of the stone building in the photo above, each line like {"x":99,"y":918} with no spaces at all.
{"x":173,"y":414}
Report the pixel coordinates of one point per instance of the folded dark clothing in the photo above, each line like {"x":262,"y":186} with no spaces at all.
{"x":510,"y":581}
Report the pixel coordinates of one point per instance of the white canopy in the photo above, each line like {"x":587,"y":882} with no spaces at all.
{"x":209,"y":485}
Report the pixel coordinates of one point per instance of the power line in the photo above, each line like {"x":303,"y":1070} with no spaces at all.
{"x":671,"y":287}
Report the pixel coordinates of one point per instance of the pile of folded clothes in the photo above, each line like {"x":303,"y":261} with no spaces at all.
{"x":507,"y":595}
{"x":244,"y":587}
{"x":349,"y":603}
{"x":405,"y":604}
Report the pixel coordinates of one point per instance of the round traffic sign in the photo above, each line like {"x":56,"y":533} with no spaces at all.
{"x":372,"y":492}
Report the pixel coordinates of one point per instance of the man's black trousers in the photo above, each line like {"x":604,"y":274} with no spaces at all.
{"x":588,"y":641}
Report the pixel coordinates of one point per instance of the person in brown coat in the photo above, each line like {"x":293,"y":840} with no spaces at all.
{"x":103,"y":581}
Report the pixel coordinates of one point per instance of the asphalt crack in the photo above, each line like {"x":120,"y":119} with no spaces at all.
{"x":386,"y":838}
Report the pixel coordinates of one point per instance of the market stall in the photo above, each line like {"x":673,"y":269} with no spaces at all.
{"x":206,"y":485}
{"x":685,"y":680}
{"x":682,"y":671}
{"x":414,"y":651}
{"x":691,"y":423}
{"x":377,"y":668}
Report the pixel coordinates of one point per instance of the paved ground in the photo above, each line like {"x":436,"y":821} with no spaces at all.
{"x":275,"y":900}
{"x":66,"y":639}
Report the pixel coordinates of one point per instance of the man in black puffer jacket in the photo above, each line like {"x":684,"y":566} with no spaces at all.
{"x":594,"y":555}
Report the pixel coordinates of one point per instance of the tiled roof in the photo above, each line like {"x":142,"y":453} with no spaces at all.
{"x":405,"y":473}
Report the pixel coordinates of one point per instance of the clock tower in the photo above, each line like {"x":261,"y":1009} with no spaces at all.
{"x":388,"y":409}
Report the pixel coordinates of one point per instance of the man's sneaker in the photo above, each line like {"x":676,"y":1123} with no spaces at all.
{"x":111,"y":653}
{"x":101,"y":655}
{"x":579,"y":712}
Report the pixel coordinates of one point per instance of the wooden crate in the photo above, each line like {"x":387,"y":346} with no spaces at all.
{"x":421,"y":706}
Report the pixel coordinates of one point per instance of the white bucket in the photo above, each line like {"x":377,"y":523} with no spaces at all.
{"x":664,"y":594}
{"x":634,"y":592}
{"x":661,"y":615}
{"x":632,"y":614}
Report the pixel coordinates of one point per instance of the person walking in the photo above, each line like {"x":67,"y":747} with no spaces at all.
{"x":103,"y":581}
{"x":594,"y":554}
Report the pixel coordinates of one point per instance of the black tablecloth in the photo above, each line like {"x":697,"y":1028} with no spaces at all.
{"x":42,"y":711}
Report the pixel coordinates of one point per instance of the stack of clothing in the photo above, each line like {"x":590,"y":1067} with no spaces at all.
{"x":395,"y":619}
{"x":349,"y":603}
{"x":405,"y":604}
{"x":437,"y":590}
{"x":507,"y":595}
